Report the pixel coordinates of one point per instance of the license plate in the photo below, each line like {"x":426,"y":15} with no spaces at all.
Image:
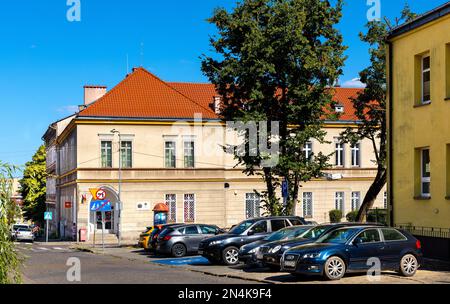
{"x":200,"y":252}
{"x":290,"y":264}
{"x":259,"y":256}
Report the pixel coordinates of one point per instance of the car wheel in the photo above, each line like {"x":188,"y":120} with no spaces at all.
{"x":178,"y":250}
{"x":408,"y":265}
{"x":230,"y":255}
{"x":334,"y":268}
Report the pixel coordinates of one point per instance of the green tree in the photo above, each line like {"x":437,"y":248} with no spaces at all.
{"x":9,"y":258}
{"x":275,"y":61}
{"x":370,"y":105}
{"x":33,"y":187}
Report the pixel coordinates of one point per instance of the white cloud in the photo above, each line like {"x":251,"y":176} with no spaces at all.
{"x":68,"y":109}
{"x":354,"y":83}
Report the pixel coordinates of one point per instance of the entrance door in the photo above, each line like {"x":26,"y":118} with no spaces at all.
{"x":108,"y":218}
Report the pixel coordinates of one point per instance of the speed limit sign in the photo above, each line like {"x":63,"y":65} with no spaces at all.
{"x":100,"y":195}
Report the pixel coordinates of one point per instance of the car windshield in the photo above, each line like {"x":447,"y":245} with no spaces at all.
{"x":314,"y":233}
{"x":17,"y":227}
{"x":24,"y":230}
{"x":241,"y":227}
{"x":338,"y":236}
{"x":286,"y":234}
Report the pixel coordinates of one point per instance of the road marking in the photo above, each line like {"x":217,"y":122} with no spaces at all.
{"x":58,"y":248}
{"x":43,"y":248}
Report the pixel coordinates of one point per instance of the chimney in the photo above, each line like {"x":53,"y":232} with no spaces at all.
{"x":93,"y":93}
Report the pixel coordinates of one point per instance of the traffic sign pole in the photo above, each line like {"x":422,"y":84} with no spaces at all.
{"x":46,"y":232}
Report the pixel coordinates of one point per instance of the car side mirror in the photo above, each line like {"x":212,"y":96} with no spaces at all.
{"x":251,"y":232}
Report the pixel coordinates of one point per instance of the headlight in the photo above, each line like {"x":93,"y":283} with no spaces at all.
{"x":311,"y":255}
{"x":215,"y":243}
{"x":254,"y":250}
{"x":275,"y":249}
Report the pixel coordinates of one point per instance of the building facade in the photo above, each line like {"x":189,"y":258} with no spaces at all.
{"x":419,"y":145}
{"x":147,"y":141}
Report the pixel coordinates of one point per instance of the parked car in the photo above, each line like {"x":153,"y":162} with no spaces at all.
{"x":247,"y":253}
{"x":271,"y":253}
{"x":24,"y":234}
{"x":157,"y":229}
{"x":16,"y":227}
{"x":144,"y":238}
{"x":181,"y":240}
{"x":348,"y":249}
{"x":225,"y":248}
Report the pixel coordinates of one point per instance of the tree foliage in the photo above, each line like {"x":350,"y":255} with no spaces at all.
{"x":370,"y":104}
{"x":275,"y":61}
{"x":9,"y":259}
{"x":33,"y":186}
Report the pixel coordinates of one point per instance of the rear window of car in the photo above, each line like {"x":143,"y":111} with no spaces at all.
{"x":295,"y":222}
{"x":166,"y":231}
{"x":278,"y":224}
{"x":191,"y":230}
{"x":392,"y":235}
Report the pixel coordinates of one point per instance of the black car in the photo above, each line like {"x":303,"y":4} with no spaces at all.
{"x":247,"y":253}
{"x":271,"y":253}
{"x":181,"y":240}
{"x":225,"y":248}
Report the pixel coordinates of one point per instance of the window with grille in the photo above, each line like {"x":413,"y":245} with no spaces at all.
{"x":307,"y":204}
{"x":171,"y":202}
{"x":189,"y":154}
{"x":189,"y":207}
{"x":356,"y":201}
{"x":126,"y":152}
{"x":339,"y":201}
{"x":106,"y":154}
{"x":169,"y":154}
{"x":252,"y":205}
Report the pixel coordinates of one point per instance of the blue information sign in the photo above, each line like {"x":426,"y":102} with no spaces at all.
{"x":48,"y":216}
{"x":104,"y":205}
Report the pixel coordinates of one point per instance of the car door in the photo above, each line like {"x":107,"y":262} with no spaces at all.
{"x":394,"y":242}
{"x":192,"y":237}
{"x":366,"y":245}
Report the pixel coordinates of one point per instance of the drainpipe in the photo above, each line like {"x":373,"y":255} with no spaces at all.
{"x":390,"y":142}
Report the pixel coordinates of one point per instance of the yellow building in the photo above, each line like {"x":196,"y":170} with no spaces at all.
{"x":419,"y":121}
{"x":167,"y":139}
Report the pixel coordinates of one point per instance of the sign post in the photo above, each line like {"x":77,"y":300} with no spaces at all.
{"x":47,"y":217}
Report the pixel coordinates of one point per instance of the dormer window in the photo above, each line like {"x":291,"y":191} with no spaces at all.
{"x":339,"y":108}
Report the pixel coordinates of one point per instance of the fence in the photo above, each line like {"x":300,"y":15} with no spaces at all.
{"x":426,"y":231}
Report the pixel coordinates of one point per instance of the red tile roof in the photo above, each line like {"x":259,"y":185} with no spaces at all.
{"x":143,"y":95}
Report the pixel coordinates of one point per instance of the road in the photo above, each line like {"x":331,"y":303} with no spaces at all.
{"x":46,"y":264}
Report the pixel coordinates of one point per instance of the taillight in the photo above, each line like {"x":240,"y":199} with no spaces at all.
{"x":167,"y":237}
{"x":418,"y":245}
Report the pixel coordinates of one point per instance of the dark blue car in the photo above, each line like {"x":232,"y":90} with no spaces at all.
{"x":355,"y":249}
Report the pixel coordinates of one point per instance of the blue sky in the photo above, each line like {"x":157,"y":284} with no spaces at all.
{"x":45,"y":60}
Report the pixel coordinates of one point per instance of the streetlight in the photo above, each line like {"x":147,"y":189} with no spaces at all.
{"x":119,"y":205}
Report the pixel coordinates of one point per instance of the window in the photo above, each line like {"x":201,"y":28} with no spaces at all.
{"x":426,"y":80}
{"x":356,"y":201}
{"x":171,"y":202}
{"x":368,"y":236}
{"x":339,"y":201}
{"x":252,"y":205}
{"x":277,"y":224}
{"x":191,"y":230}
{"x":307,"y":150}
{"x":392,"y":235}
{"x":260,"y":227}
{"x":189,"y":208}
{"x":106,"y":154}
{"x":189,"y":154}
{"x":356,"y":155}
{"x":169,"y":154}
{"x":425,"y":172}
{"x":307,"y":204}
{"x":208,"y":229}
{"x":339,"y":108}
{"x":126,"y":152}
{"x":339,"y":153}
{"x":385,"y":200}
{"x":295,"y":222}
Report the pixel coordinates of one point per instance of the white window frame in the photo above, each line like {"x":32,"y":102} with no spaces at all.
{"x":356,"y":200}
{"x":339,"y":161}
{"x":356,"y":154}
{"x":101,"y":153}
{"x":423,"y":71}
{"x":256,"y":198}
{"x":187,"y":140}
{"x":424,"y":179}
{"x":174,"y":152}
{"x":195,"y":208}
{"x":308,"y":151}
{"x":166,"y":200}
{"x":312,"y":205}
{"x":336,"y":198}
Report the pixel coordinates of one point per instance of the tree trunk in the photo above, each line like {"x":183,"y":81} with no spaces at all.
{"x":270,"y":190}
{"x":372,"y":193}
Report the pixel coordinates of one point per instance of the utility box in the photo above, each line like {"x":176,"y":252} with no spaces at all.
{"x":83,"y":235}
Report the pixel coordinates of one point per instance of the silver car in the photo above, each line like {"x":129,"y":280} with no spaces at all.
{"x":24,"y":234}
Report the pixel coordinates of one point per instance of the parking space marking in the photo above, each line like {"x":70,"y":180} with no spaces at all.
{"x":58,"y":248}
{"x":43,"y":248}
{"x":196,"y":260}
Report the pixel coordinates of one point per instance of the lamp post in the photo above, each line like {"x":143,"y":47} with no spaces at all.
{"x":119,"y":226}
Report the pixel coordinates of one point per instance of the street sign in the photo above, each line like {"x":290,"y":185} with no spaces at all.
{"x":284,"y":188}
{"x":101,"y":205}
{"x":100,"y":195}
{"x":48,"y":216}
{"x":68,"y":205}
